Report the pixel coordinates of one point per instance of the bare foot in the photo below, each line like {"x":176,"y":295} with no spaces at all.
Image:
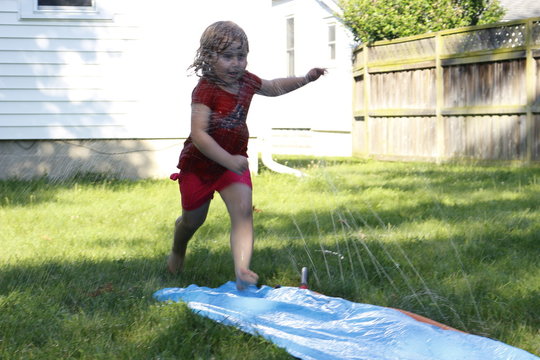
{"x":244,"y":278}
{"x":175,"y":263}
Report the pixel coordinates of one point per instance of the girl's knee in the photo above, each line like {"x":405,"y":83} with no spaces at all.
{"x":238,"y":199}
{"x":190,"y":223}
{"x":243,"y":209}
{"x":178,"y":221}
{"x":193,"y":219}
{"x":247,"y":209}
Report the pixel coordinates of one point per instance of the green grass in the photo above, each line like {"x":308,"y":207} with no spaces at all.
{"x":81,"y":259}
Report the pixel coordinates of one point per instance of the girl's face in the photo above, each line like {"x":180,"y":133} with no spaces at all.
{"x":231,"y":63}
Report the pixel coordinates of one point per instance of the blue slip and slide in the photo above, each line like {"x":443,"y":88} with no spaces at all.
{"x":313,"y":326}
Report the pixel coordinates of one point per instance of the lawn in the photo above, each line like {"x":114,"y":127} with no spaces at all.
{"x":80,"y":259}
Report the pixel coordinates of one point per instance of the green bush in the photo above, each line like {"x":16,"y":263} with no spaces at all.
{"x":373,"y":20}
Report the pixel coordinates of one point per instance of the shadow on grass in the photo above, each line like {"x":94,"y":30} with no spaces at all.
{"x":34,"y":192}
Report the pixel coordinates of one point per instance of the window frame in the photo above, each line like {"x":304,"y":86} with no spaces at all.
{"x":289,"y":45}
{"x":332,"y":41}
{"x":30,"y":10}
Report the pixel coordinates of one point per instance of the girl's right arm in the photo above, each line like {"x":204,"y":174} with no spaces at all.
{"x":200,"y":118}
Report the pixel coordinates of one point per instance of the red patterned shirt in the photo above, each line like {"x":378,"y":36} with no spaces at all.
{"x":227,"y":124}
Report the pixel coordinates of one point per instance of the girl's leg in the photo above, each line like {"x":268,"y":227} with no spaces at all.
{"x":238,"y":198}
{"x":185,"y":226}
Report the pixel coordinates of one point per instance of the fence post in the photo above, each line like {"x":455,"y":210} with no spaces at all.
{"x":530,"y":78}
{"x":367,"y":88}
{"x":439,"y":103}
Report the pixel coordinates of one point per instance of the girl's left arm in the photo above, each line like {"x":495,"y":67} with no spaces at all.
{"x":282,"y":86}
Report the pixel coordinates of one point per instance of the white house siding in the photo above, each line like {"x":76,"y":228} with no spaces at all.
{"x":323,"y":108}
{"x":520,"y":9}
{"x":65,"y":84}
{"x":63,"y":79}
{"x":119,"y":78}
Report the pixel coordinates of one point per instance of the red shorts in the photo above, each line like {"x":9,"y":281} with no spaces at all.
{"x":195,"y":193}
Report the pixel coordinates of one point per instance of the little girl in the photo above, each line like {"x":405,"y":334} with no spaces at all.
{"x":214,"y":157}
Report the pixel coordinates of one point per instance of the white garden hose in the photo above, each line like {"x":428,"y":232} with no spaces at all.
{"x":267,"y":160}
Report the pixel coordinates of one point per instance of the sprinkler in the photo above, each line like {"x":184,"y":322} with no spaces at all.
{"x":304,"y":278}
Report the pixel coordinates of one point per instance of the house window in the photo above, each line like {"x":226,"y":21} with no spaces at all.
{"x":65,"y":3}
{"x":290,"y":46}
{"x":65,"y":9}
{"x":332,"y":41}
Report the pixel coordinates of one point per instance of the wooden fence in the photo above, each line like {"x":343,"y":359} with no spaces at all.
{"x":469,"y":93}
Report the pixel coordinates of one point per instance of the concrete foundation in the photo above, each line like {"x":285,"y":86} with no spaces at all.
{"x":142,"y":159}
{"x":62,"y":159}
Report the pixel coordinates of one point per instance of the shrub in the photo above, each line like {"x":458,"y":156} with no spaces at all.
{"x":373,"y":20}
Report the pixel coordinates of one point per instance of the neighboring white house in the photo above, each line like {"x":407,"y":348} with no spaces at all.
{"x":102,"y":85}
{"x":520,"y":9}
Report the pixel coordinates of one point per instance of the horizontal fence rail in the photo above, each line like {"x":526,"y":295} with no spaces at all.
{"x":471,"y":93}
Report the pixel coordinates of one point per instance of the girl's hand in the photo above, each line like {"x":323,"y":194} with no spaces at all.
{"x":315,"y":73}
{"x":238,"y":164}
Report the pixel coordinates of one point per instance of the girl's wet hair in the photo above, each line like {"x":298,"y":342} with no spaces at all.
{"x":214,"y":40}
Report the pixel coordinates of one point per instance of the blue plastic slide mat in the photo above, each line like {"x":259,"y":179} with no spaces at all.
{"x":312,"y":326}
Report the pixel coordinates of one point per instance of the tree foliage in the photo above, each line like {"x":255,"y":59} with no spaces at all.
{"x":372,"y":20}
